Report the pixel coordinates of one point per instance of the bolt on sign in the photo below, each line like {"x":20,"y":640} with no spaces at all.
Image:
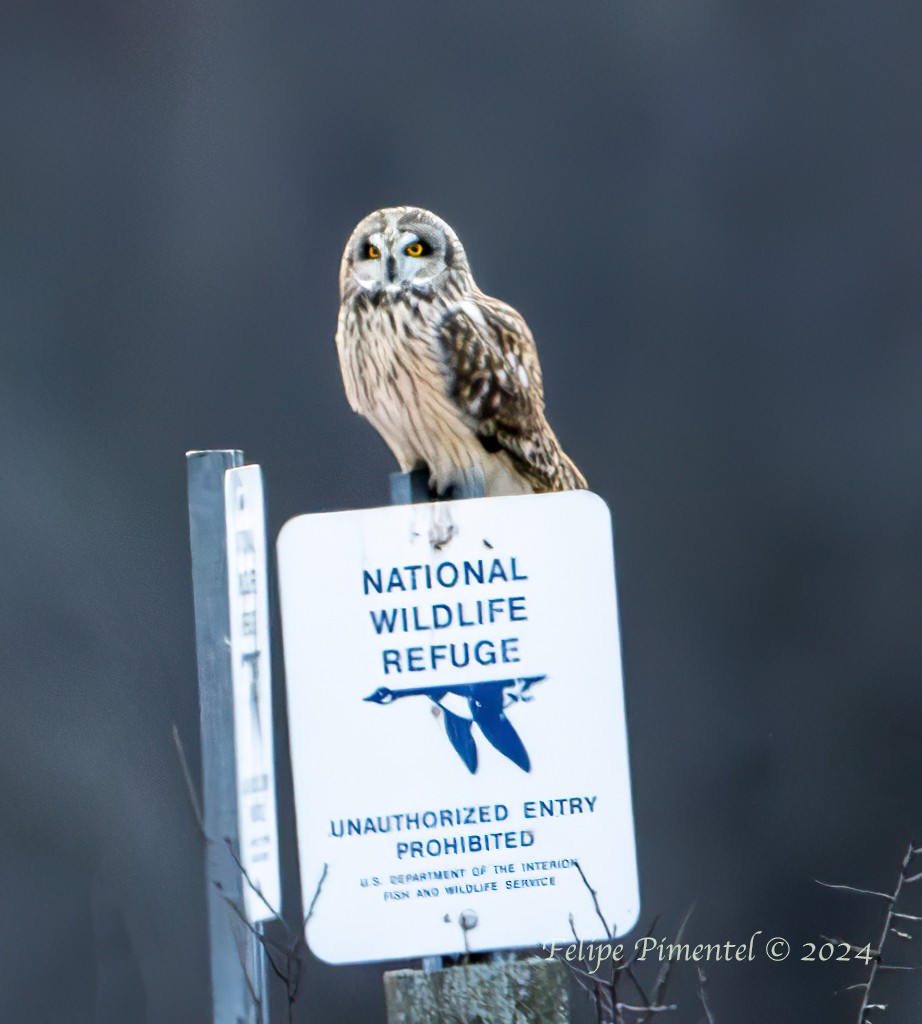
{"x":456,"y":715}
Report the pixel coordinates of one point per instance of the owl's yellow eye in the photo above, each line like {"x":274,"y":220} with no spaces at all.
{"x":372,"y":252}
{"x":418,"y":248}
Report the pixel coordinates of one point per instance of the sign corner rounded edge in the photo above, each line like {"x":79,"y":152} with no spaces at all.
{"x":595,"y":500}
{"x":633,"y":921}
{"x":286,"y":529}
{"x":330,"y":956}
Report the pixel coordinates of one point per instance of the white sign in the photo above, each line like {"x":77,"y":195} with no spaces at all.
{"x":457,"y":725}
{"x":249,"y":642}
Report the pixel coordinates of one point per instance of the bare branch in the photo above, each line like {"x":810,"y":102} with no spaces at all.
{"x":579,"y":974}
{"x":876,"y":962}
{"x":702,"y":996}
{"x":662,"y":979}
{"x":255,"y":888}
{"x":260,"y":938}
{"x":852,"y":888}
{"x":648,"y":934}
{"x":595,"y":900}
{"x":241,"y":955}
{"x":298,"y":945}
{"x":852,"y":948}
{"x":316,"y":896}
{"x":641,"y":991}
{"x":190,"y":785}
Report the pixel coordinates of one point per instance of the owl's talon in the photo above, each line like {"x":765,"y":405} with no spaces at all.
{"x":441,"y":534}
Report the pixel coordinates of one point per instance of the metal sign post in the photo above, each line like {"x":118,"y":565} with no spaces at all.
{"x":238,"y":961}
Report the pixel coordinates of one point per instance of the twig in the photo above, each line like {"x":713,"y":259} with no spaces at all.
{"x":316,"y":896}
{"x":877,"y":964}
{"x":604,"y":991}
{"x":662,"y":979}
{"x":253,"y":930}
{"x":276,"y":916}
{"x":852,"y":948}
{"x":702,"y":996}
{"x":295,"y":956}
{"x":860,"y":892}
{"x":288,"y":972}
{"x":190,"y":785}
{"x":241,"y":956}
{"x":595,"y":900}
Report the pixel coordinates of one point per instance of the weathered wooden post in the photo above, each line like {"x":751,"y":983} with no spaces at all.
{"x":498,"y":992}
{"x":225,"y":643}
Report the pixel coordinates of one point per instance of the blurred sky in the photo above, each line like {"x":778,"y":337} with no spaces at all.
{"x":709,"y":214}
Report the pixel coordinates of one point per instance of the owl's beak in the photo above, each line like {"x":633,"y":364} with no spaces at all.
{"x":391,"y":269}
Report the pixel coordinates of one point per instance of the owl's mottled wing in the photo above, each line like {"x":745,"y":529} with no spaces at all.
{"x":495,"y":378}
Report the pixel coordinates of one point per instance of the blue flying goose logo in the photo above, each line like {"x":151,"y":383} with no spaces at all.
{"x":487,"y":703}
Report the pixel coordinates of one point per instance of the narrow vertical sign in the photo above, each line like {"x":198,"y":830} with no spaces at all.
{"x":252,"y":682}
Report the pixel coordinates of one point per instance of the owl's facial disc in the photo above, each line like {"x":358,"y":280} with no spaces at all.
{"x":393,"y":262}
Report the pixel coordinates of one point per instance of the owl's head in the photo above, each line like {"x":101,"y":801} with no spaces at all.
{"x":401,"y":250}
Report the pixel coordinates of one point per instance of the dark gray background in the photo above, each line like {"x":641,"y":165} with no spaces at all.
{"x":710,"y":215}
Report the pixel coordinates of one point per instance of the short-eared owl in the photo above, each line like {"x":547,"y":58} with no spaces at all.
{"x":447,"y":375}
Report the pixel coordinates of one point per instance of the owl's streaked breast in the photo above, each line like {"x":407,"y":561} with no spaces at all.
{"x":394,"y":375}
